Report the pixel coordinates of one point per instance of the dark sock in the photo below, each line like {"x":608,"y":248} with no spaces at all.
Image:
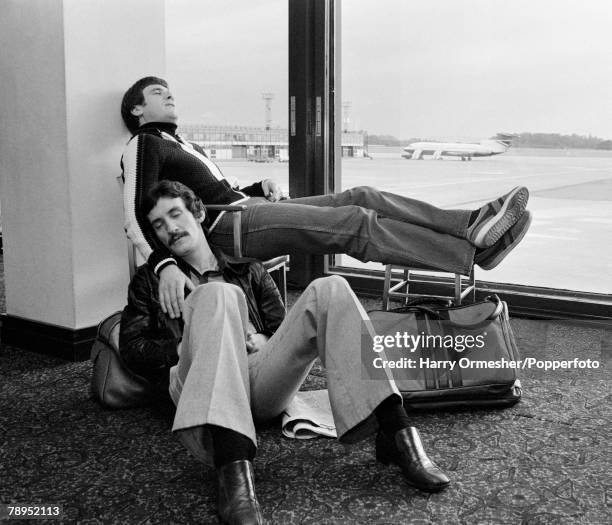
{"x":473,"y":217}
{"x":230,"y":446}
{"x":391,"y":415}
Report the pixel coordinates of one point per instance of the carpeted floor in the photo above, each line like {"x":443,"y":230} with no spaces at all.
{"x":547,"y":460}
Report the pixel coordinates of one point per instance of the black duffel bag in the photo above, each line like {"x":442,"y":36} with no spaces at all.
{"x":476,"y":337}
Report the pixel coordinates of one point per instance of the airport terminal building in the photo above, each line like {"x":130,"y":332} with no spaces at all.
{"x":258,"y":144}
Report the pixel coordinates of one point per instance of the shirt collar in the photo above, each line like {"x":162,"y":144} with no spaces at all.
{"x":168,"y":127}
{"x":227,"y":263}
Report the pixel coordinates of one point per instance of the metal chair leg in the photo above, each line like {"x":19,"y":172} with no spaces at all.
{"x":282,"y":282}
{"x":386,"y":287}
{"x":407,"y":284}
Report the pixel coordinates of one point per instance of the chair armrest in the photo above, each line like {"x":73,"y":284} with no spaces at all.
{"x":225,"y":207}
{"x":237,"y":210}
{"x":276,"y":263}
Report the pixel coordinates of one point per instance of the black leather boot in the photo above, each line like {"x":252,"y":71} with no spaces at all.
{"x":406,"y":450}
{"x":238,"y":503}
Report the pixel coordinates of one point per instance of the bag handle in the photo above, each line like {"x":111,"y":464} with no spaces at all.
{"x":418,"y":302}
{"x":499,"y":306}
{"x":436,"y":315}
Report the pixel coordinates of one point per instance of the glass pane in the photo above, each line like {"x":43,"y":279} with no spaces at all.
{"x":227,"y":66}
{"x":450,"y":71}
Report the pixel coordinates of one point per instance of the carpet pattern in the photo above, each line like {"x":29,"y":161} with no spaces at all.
{"x":546,"y":460}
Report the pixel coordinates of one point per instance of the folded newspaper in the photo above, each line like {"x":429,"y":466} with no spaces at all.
{"x":309,"y":416}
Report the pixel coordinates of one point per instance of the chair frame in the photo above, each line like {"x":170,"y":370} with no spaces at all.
{"x":277,"y":264}
{"x":395,"y":291}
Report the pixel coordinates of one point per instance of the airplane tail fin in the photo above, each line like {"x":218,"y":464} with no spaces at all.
{"x":505,"y":139}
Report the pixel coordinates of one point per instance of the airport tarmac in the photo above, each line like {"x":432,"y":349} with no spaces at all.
{"x":569,"y":244}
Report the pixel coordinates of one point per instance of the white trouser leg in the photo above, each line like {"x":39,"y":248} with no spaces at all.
{"x":325,"y":322}
{"x":210,"y":383}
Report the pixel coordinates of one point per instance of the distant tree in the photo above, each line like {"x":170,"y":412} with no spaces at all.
{"x":383,"y":140}
{"x":556,"y":140}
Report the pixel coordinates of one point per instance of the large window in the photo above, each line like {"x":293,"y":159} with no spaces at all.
{"x":399,"y":72}
{"x":463,"y":71}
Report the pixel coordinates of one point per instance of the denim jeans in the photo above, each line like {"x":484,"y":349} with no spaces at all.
{"x":217,"y":383}
{"x":365,"y":223}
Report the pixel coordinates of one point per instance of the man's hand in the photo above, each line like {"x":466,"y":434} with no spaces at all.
{"x":255,"y":342}
{"x":233,"y":181}
{"x":172,"y":282}
{"x":272,"y":190}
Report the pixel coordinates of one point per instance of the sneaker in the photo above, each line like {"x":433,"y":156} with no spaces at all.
{"x":497,"y":217}
{"x":491,"y":257}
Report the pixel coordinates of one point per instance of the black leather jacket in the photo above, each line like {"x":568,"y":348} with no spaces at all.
{"x":149,"y":339}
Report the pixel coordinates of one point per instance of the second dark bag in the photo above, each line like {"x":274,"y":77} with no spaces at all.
{"x":113,"y":384}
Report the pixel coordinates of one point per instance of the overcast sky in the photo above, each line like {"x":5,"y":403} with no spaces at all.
{"x":410,"y":68}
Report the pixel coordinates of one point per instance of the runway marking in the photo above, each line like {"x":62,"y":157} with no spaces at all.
{"x":596,"y":220}
{"x":556,"y":237}
{"x":451,"y":183}
{"x":566,"y":230}
{"x":585,"y":168}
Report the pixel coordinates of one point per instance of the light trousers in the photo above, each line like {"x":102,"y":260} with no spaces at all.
{"x":216,"y":382}
{"x":363,"y":222}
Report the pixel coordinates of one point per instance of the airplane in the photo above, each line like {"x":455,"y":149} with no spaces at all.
{"x":466,"y":150}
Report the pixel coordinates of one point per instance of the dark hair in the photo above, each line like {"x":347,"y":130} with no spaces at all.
{"x":134,"y":97}
{"x":172,"y":189}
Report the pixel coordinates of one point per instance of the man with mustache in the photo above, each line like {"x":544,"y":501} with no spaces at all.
{"x":362,"y":222}
{"x":235,"y":359}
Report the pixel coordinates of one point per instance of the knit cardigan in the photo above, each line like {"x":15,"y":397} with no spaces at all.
{"x":155,"y":153}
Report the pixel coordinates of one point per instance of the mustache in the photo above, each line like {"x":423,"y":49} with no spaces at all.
{"x":175,"y":237}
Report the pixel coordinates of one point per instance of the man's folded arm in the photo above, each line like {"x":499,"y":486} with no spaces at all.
{"x":159,"y":259}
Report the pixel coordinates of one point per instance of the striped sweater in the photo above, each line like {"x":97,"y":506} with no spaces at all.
{"x":156,"y":153}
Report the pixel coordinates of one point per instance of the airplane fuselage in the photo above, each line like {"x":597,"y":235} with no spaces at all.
{"x":464,"y":150}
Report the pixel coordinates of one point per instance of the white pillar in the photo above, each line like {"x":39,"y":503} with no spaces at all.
{"x":64,"y":67}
